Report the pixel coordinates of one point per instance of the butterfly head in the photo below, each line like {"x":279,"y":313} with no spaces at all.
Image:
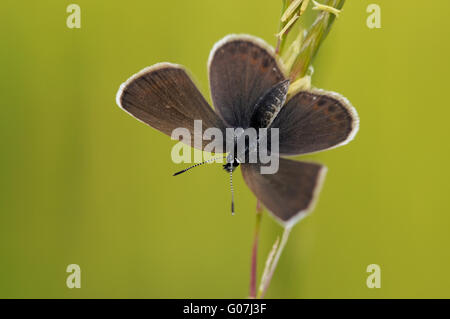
{"x":232,"y":163}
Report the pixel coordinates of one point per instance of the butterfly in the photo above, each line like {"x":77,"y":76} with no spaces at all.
{"x":249,"y":88}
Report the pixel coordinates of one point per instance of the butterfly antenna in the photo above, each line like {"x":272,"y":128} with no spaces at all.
{"x":232,"y":193}
{"x":198,"y":164}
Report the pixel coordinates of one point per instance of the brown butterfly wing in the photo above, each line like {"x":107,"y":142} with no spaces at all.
{"x":315,"y":120}
{"x":290,"y":193}
{"x":164,"y":97}
{"x":242,"y":68}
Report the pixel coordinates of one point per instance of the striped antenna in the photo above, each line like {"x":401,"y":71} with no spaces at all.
{"x":198,"y":164}
{"x":232,"y":192}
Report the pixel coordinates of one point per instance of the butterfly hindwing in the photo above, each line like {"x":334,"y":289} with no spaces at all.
{"x":290,"y":193}
{"x":313,"y":121}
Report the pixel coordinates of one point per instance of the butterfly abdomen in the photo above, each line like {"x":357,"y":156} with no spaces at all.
{"x":269,"y":105}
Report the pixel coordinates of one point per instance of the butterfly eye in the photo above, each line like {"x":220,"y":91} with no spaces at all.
{"x":230,"y":167}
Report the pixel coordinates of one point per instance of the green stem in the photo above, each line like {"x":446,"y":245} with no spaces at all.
{"x":315,"y":36}
{"x":273,"y":265}
{"x":281,"y":40}
{"x":254,"y":259}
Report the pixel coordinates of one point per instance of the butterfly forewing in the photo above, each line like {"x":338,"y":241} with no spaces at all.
{"x":241,"y":70}
{"x":165,"y":97}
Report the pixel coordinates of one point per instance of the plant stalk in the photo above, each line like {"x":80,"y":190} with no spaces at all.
{"x":254,"y":259}
{"x":265,"y":282}
{"x":280,"y":40}
{"x":313,"y":40}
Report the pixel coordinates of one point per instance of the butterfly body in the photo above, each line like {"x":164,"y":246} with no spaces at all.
{"x":269,"y":105}
{"x":265,"y":111}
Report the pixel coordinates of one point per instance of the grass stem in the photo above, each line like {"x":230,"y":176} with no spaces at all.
{"x":272,"y":263}
{"x":254,"y":258}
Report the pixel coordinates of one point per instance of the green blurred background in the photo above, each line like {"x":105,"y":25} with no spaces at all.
{"x":83,"y":182}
